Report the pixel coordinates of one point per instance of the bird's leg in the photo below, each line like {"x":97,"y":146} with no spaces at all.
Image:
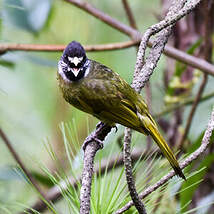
{"x":90,"y":139}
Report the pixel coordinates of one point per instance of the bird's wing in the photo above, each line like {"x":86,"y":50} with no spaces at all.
{"x":109,"y":101}
{"x":122,"y":114}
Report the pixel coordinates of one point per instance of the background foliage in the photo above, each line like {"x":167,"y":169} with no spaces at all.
{"x":38,"y":120}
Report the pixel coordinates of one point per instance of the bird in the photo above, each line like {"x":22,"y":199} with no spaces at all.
{"x":97,"y":90}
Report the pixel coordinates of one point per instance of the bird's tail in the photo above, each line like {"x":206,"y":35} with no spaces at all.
{"x":167,"y":152}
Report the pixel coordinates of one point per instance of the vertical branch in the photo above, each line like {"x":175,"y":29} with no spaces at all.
{"x":91,"y":145}
{"x":85,"y":192}
{"x":142,"y":73}
{"x":129,"y":14}
{"x":133,"y":24}
{"x":129,"y":174}
{"x":127,"y":139}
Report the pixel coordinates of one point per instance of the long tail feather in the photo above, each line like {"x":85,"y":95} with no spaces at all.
{"x":157,"y":137}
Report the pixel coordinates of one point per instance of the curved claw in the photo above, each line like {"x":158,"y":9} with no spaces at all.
{"x":90,"y":139}
{"x":116,"y":129}
{"x":100,"y":124}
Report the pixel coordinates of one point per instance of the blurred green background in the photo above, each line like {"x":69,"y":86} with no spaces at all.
{"x":31,"y":106}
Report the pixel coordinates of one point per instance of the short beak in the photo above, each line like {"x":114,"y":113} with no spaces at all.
{"x":75,"y":71}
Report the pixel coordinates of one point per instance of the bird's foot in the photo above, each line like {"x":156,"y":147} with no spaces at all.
{"x":90,"y":139}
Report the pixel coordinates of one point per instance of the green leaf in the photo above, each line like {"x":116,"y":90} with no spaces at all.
{"x":29,"y":15}
{"x":45,"y":180}
{"x":7,"y":63}
{"x":180,"y":67}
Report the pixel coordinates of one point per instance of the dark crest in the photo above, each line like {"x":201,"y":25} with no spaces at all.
{"x":74,"y":49}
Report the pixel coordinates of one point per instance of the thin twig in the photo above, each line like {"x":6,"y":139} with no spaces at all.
{"x":53,"y":48}
{"x":133,"y":24}
{"x":204,"y":144}
{"x":87,"y":7}
{"x":183,"y":103}
{"x":20,"y":163}
{"x":129,"y":14}
{"x":142,"y":73}
{"x":187,"y":59}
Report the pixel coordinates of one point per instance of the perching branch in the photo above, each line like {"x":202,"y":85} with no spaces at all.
{"x":204,"y":144}
{"x":85,"y":192}
{"x":91,"y":146}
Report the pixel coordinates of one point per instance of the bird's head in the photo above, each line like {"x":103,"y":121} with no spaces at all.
{"x":74,"y":62}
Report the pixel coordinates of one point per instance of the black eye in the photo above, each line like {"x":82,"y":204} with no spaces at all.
{"x":65,"y":57}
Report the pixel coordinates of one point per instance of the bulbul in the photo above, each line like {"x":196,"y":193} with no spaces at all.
{"x":97,"y":90}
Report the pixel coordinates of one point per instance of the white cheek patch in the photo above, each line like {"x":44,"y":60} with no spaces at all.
{"x":61,"y":73}
{"x":75,"y":60}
